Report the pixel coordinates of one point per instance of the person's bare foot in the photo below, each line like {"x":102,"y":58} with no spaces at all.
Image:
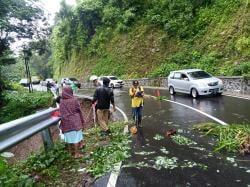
{"x":81,"y":145}
{"x":78,"y":155}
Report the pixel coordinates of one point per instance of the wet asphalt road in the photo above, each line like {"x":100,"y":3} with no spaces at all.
{"x":193,"y":165}
{"x":228,"y":109}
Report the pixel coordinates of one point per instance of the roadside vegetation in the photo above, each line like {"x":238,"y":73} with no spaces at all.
{"x":234,"y":138}
{"x":57,"y":168}
{"x":150,"y":38}
{"x":18,"y":102}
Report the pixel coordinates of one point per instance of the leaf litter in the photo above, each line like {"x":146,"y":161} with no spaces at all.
{"x":158,"y":137}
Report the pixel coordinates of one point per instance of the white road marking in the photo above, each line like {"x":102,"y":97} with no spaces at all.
{"x":123,"y":114}
{"x":199,"y":111}
{"x":205,"y":114}
{"x":114,"y":175}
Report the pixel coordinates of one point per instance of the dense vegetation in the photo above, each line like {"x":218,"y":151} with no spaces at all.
{"x":22,"y":20}
{"x":57,"y":168}
{"x":135,"y":38}
{"x":18,"y":102}
{"x":18,"y":20}
{"x":234,"y":138}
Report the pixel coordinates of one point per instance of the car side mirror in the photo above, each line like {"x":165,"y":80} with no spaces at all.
{"x":186,"y":79}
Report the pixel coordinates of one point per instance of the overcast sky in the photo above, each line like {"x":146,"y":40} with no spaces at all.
{"x":53,"y":6}
{"x":50,"y":8}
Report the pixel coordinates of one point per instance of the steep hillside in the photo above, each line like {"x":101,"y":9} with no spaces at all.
{"x":150,"y":38}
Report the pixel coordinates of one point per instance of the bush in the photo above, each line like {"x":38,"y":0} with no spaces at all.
{"x":109,"y":66}
{"x":164,"y":70}
{"x":17,"y":87}
{"x":22,"y":103}
{"x":243,"y":45}
{"x":241,"y":69}
{"x":110,"y":15}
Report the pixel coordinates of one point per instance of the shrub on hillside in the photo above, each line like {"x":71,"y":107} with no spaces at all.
{"x":164,"y":69}
{"x":243,"y":46}
{"x":22,"y":103}
{"x":241,"y":69}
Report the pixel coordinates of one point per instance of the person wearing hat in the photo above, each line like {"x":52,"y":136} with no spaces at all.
{"x":136,"y":93}
{"x":104,"y":96}
{"x":95,"y":81}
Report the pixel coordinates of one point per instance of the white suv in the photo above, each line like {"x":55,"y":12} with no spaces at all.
{"x":195,"y":82}
{"x":114,"y":81}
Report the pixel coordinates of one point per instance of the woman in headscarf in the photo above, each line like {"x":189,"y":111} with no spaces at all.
{"x":72,"y":121}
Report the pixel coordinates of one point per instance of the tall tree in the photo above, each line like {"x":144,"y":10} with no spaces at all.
{"x":18,"y":19}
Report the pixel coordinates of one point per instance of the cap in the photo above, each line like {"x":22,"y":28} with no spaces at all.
{"x":135,"y":82}
{"x":93,"y":77}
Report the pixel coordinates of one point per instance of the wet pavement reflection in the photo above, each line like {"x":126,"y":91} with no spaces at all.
{"x":228,"y":109}
{"x":156,"y":160}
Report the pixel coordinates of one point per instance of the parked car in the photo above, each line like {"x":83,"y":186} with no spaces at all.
{"x":114,"y":81}
{"x":49,"y":80}
{"x":194,"y":82}
{"x":24,"y":82}
{"x":35,"y":79}
{"x":44,"y":83}
{"x":69,"y":81}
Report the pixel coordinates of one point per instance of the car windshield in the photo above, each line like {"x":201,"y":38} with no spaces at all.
{"x":73,"y":79}
{"x":113,"y":78}
{"x":199,"y":75}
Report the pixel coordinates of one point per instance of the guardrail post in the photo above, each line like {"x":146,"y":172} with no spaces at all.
{"x":47,"y":139}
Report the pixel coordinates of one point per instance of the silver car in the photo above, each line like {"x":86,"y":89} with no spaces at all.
{"x":114,"y":81}
{"x":195,"y":82}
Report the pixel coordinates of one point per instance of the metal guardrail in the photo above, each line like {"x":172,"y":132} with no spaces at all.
{"x":14,"y":132}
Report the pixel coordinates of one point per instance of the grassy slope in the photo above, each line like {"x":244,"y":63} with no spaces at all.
{"x":143,"y":49}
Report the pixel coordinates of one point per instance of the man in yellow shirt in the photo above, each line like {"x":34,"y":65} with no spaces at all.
{"x":136,"y":93}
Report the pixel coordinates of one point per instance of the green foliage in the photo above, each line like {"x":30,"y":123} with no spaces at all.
{"x":17,"y":87}
{"x":96,"y":45}
{"x":243,"y":45}
{"x":161,"y":98}
{"x":241,"y":69}
{"x":104,"y":158}
{"x":20,"y":103}
{"x":56,"y":168}
{"x":110,"y":15}
{"x":230,"y":137}
{"x":156,"y":36}
{"x":175,"y":17}
{"x":182,"y":140}
{"x":17,"y":21}
{"x":43,"y":164}
{"x":14,"y":72}
{"x":25,"y":14}
{"x":108,"y":66}
{"x":207,"y":62}
{"x":164,"y":70}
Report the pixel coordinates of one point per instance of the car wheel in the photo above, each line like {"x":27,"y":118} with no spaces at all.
{"x":194,"y":93}
{"x":219,"y":94}
{"x":171,"y":90}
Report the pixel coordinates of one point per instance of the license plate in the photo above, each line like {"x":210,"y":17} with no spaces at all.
{"x":214,"y":91}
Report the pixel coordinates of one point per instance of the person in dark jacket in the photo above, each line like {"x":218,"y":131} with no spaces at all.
{"x":104,"y":96}
{"x":72,"y":121}
{"x":48,"y":85}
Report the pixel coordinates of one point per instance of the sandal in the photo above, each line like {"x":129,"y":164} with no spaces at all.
{"x":82,"y":145}
{"x":78,"y":156}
